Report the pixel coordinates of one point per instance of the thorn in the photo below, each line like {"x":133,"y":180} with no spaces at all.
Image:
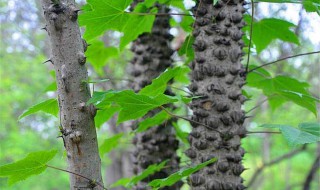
{"x":59,"y":136}
{"x":49,"y":60}
{"x":44,"y":28}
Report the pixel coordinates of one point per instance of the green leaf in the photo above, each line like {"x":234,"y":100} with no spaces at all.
{"x":272,"y":29}
{"x":287,"y":88}
{"x":49,"y":106}
{"x":186,"y":24}
{"x":98,"y":55}
{"x":51,"y":87}
{"x":312,"y":6}
{"x":312,"y":128}
{"x":215,"y":2}
{"x":173,"y":178}
{"x":157,"y":119}
{"x":130,"y":182}
{"x":186,"y":48}
{"x":137,"y":24}
{"x":110,"y":143}
{"x":103,"y":115}
{"x":103,"y":15}
{"x":135,"y":105}
{"x":183,"y":136}
{"x":306,"y":133}
{"x":159,"y":84}
{"x":33,"y":164}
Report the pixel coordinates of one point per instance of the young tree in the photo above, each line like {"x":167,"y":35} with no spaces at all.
{"x":217,"y":78}
{"x":76,"y":117}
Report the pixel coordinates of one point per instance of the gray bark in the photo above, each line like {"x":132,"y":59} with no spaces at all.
{"x":77,"y":119}
{"x":152,"y":55}
{"x":217,"y":76}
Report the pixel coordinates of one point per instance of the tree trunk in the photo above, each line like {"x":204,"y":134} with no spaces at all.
{"x":77,"y":119}
{"x":152,"y":55}
{"x":217,"y":77}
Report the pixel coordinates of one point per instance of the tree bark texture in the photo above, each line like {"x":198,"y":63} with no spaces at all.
{"x":152,"y":55}
{"x":217,"y":77}
{"x":77,"y":119}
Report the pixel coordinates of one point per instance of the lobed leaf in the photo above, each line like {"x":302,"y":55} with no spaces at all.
{"x":271,"y":29}
{"x":130,"y":182}
{"x":110,"y":143}
{"x":33,"y":164}
{"x":159,"y":84}
{"x":103,"y":15}
{"x":157,"y":119}
{"x":175,"y":177}
{"x":49,"y":106}
{"x":305,"y":133}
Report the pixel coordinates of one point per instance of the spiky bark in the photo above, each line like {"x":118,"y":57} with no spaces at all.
{"x":217,"y":77}
{"x":152,"y":55}
{"x":77,"y":119}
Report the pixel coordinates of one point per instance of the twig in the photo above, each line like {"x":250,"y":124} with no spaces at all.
{"x":310,"y":176}
{"x":67,"y":171}
{"x":250,"y":41}
{"x":187,"y":119}
{"x":258,"y":105}
{"x":273,"y":162}
{"x":158,"y":14}
{"x":292,"y":56}
{"x":272,"y":132}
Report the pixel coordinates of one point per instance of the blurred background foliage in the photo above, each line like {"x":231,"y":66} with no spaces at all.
{"x":24,"y":79}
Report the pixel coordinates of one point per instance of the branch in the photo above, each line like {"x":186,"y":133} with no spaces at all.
{"x":273,"y":162}
{"x":312,"y":173}
{"x":289,"y":57}
{"x":91,"y":181}
{"x":250,"y":41}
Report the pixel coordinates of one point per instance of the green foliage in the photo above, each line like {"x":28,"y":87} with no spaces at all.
{"x":280,"y":89}
{"x":183,"y":136}
{"x":305,"y":133}
{"x":130,"y":182}
{"x":110,"y":143}
{"x":156,"y":120}
{"x":175,"y":177}
{"x":33,"y":164}
{"x":312,"y":6}
{"x":159,"y":84}
{"x":105,"y":114}
{"x":49,"y":106}
{"x":187,"y":49}
{"x":269,"y":29}
{"x":103,"y":15}
{"x":133,"y":106}
{"x":137,"y":24}
{"x":97,"y":54}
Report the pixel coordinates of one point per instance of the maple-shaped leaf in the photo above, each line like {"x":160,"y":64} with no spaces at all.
{"x":101,"y":15}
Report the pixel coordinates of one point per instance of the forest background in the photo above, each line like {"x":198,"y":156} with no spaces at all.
{"x":25,"y":82}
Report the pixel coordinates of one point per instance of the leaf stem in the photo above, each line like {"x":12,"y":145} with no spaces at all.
{"x":289,"y":57}
{"x":158,"y":14}
{"x":187,"y":119}
{"x":272,"y":132}
{"x":67,"y":171}
{"x":250,"y":41}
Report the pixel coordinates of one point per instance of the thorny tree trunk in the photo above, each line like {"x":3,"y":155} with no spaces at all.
{"x":77,"y":119}
{"x":217,"y":76}
{"x":152,"y":55}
